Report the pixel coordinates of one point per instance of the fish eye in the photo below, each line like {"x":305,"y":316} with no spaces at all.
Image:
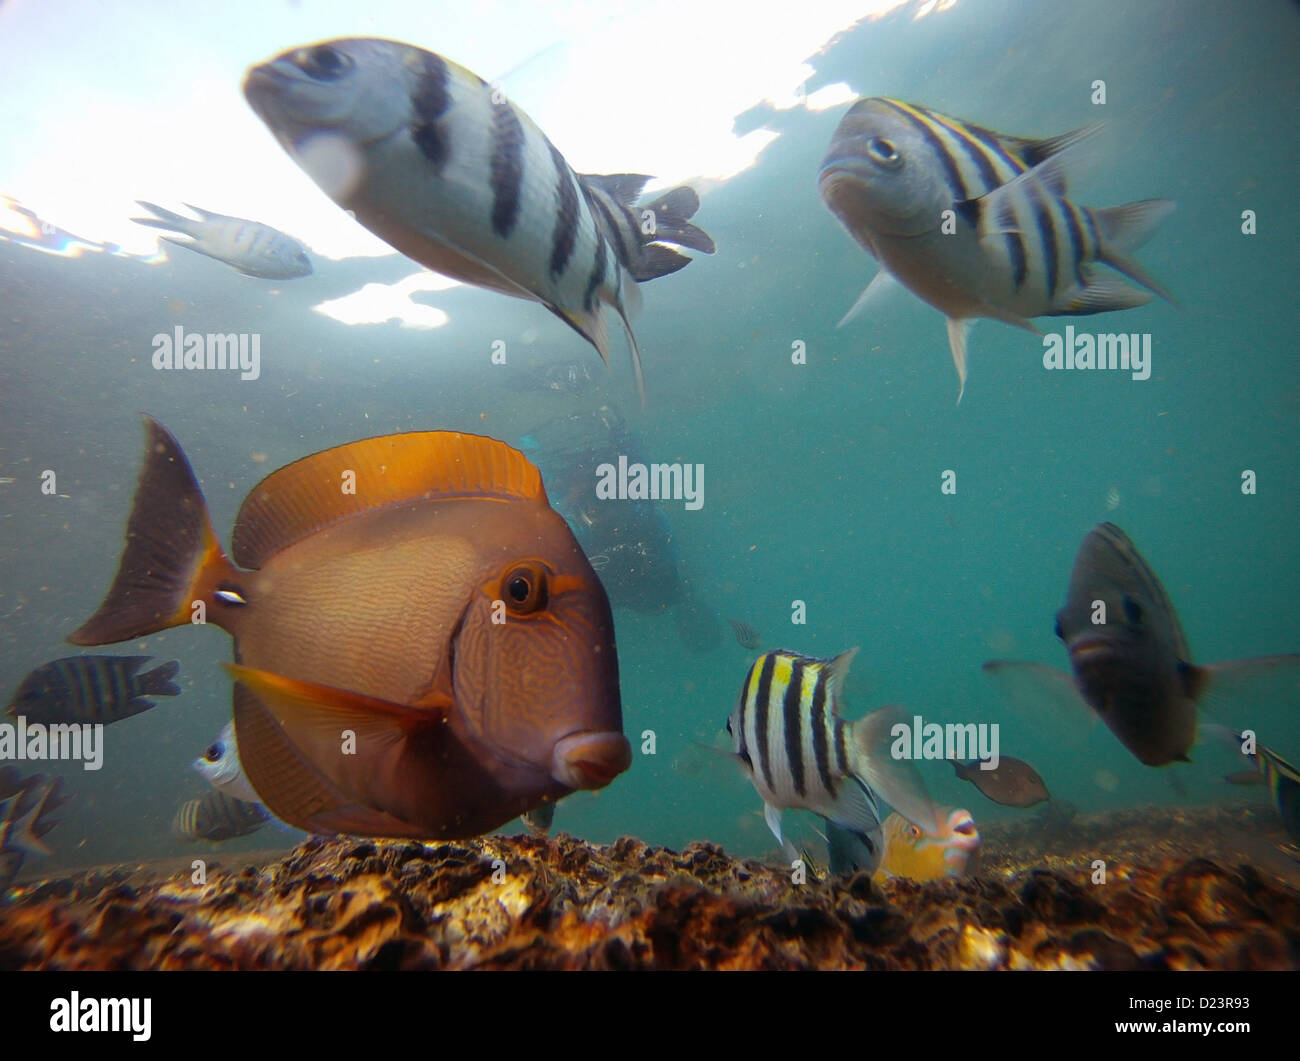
{"x":525,"y":589}
{"x":914,"y":832}
{"x":884,"y":152}
{"x":214,"y":753}
{"x":1132,"y":610}
{"x":325,"y":63}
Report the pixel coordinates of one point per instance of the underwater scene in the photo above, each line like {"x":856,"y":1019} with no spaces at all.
{"x":649,"y":485}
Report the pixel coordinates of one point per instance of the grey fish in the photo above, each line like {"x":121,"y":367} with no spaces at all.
{"x":798,"y":753}
{"x":746,"y":635}
{"x":1130,"y":660}
{"x":249,"y":247}
{"x":437,"y":163}
{"x":1013,"y":784}
{"x":92,"y":689}
{"x":217,"y":816}
{"x":896,"y":173}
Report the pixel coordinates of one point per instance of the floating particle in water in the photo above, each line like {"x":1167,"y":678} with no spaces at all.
{"x":1112,"y":499}
{"x":1105,"y":780}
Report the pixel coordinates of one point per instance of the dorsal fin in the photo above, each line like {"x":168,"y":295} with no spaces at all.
{"x":308,"y":495}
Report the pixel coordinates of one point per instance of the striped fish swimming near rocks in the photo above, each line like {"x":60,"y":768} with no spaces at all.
{"x":787,"y":735}
{"x":976,"y":223}
{"x":439,"y":164}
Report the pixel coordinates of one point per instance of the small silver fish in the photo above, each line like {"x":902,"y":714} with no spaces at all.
{"x":976,"y":223}
{"x":249,"y":247}
{"x":439,"y":164}
{"x":220,"y":767}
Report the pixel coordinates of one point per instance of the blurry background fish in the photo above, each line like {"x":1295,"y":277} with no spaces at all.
{"x":249,"y":247}
{"x":92,"y":689}
{"x":218,"y":816}
{"x":25,"y":806}
{"x":641,"y":569}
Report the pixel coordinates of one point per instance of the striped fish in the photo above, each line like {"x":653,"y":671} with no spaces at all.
{"x":1283,"y":782}
{"x":1016,"y":247}
{"x":787,"y":734}
{"x":249,"y":247}
{"x":217,"y":816}
{"x":439,"y":164}
{"x":92,"y":689}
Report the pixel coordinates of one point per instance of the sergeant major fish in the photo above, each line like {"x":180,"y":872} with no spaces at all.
{"x":219,"y":766}
{"x":1130,"y":660}
{"x":437,"y":163}
{"x":216,"y":816}
{"x":249,"y":247}
{"x":798,"y":753}
{"x":1283,"y":781}
{"x":92,"y":689}
{"x":1013,"y":247}
{"x":379,"y":612}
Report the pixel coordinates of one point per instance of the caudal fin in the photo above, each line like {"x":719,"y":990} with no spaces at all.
{"x":1122,"y":229}
{"x":897,"y":781}
{"x":158,"y":682}
{"x":171,"y":558}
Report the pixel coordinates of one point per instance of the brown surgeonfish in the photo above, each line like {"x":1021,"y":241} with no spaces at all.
{"x":422,"y":648}
{"x":1013,"y":783}
{"x":1129,"y":657}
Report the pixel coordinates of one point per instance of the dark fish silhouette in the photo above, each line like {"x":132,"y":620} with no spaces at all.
{"x":92,"y":689}
{"x":1014,"y":783}
{"x":1129,"y":657}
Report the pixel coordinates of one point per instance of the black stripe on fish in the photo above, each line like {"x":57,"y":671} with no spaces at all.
{"x":761,"y":697}
{"x":951,"y":171}
{"x":842,"y":746}
{"x":1078,"y":247}
{"x":94,"y":695}
{"x":611,"y":227}
{"x":566,"y":214}
{"x":793,"y":733}
{"x":124,"y":686}
{"x":507,"y":168}
{"x":821,"y":735}
{"x":597,"y":276}
{"x":430,"y":101}
{"x":982,"y":147}
{"x":1047,"y":233}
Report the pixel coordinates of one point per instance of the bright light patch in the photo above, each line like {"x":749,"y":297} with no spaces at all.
{"x":380,"y":303}
{"x":829,"y":96}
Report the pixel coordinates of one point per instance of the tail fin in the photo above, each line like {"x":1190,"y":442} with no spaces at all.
{"x":896,"y":780}
{"x":158,"y":682}
{"x":671,"y":211}
{"x":171,"y":558}
{"x":169,"y":219}
{"x":642,"y":231}
{"x":1121,"y":229}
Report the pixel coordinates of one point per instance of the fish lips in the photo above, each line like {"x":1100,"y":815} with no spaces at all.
{"x":846,"y":189}
{"x":590,"y":759}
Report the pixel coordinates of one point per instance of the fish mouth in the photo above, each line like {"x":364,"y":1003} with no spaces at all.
{"x":1087,"y":649}
{"x":591,"y":759}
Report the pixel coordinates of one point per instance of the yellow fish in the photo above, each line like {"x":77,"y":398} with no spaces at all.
{"x":912,"y":852}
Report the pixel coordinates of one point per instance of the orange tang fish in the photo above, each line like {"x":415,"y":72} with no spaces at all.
{"x":422,"y":648}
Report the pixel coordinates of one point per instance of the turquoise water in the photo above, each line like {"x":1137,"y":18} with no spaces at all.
{"x":822,"y":480}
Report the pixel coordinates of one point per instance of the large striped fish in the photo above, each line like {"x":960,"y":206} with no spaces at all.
{"x":218,"y":816}
{"x":976,"y":223}
{"x":92,"y":689}
{"x":438,"y":163}
{"x":787,"y":734}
